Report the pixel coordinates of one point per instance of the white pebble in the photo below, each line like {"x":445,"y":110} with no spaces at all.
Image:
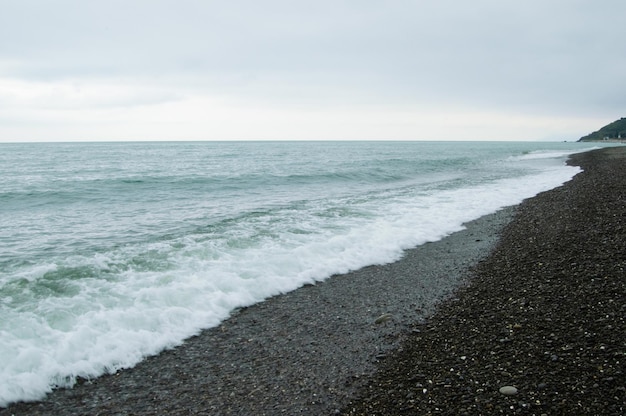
{"x":508,"y":390}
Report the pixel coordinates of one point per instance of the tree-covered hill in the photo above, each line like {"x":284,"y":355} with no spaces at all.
{"x":614,"y":131}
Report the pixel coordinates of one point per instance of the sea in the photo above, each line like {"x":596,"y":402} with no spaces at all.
{"x":112,"y":252}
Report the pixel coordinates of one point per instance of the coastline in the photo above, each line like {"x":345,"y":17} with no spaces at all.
{"x":544,"y":313}
{"x":303,"y":352}
{"x":316,"y":350}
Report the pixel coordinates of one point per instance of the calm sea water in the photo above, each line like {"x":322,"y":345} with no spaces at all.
{"x":110,"y":252}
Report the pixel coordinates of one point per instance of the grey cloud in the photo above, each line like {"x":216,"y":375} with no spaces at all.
{"x":559,"y":55}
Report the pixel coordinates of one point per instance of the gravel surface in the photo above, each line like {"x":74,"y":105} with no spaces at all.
{"x":541,"y":328}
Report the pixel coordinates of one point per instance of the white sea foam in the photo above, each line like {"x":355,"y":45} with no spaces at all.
{"x":35,"y":272}
{"x":550,"y":154}
{"x":145,"y":297}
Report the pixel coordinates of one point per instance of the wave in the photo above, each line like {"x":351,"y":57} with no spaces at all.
{"x":550,"y":154}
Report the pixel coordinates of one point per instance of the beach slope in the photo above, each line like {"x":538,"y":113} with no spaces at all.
{"x":544,"y":316}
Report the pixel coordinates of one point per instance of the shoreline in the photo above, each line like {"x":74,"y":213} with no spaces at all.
{"x":544,"y":316}
{"x":370,"y":341}
{"x":302,"y":352}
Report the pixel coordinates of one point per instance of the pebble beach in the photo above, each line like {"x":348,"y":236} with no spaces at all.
{"x":541,"y":329}
{"x":520,"y":313}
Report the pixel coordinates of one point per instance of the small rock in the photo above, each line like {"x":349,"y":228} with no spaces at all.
{"x":508,"y":390}
{"x":383,"y":318}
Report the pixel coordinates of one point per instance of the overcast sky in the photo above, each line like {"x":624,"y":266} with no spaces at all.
{"x":339,"y":69}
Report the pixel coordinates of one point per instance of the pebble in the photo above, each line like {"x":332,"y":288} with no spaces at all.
{"x":508,"y":390}
{"x":383,"y":318}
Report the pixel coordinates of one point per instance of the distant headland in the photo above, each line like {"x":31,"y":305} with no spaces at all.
{"x":616,"y":131}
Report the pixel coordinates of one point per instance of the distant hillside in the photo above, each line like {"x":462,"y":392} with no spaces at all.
{"x":614,"y":131}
